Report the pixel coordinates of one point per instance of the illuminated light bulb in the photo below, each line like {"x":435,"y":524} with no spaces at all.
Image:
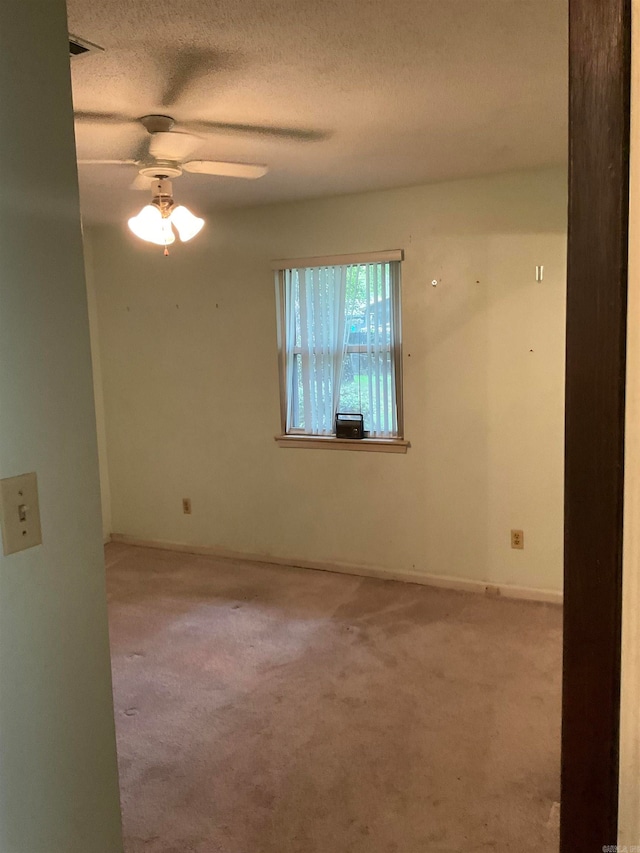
{"x":151,"y":226}
{"x":186,"y":224}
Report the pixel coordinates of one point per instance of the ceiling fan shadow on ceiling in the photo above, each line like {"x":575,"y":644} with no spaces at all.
{"x":167,"y":157}
{"x":184,"y":68}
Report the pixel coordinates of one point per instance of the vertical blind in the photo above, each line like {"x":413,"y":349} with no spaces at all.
{"x":341,"y":343}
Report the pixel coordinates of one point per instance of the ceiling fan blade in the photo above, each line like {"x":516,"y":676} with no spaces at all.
{"x":141,"y":182}
{"x":227,"y":170}
{"x":295,"y":134}
{"x":107,"y":162}
{"x":103,"y":118}
{"x":173,"y":145}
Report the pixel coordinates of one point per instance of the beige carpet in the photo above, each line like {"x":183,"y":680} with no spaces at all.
{"x":262,"y":709}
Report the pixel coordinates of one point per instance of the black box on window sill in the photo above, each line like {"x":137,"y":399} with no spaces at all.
{"x":349,"y":425}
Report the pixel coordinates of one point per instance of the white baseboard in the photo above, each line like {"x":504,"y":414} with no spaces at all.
{"x":464,"y":584}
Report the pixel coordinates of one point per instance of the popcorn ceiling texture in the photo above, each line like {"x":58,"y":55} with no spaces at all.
{"x":404,"y":92}
{"x":262,"y":709}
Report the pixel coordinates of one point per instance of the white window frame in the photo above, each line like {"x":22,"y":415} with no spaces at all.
{"x":298,"y":438}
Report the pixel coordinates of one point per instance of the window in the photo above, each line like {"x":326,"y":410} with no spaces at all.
{"x":339,"y":340}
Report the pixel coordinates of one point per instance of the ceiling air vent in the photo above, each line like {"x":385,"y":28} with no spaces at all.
{"x":78,"y":46}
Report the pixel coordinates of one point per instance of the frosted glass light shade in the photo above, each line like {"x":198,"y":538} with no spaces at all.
{"x":186,"y":224}
{"x":151,"y":226}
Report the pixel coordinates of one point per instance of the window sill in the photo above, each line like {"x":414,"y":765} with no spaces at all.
{"x":330,"y":442}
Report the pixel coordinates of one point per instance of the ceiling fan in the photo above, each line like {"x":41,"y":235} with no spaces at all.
{"x":167,"y":151}
{"x":168,"y":154}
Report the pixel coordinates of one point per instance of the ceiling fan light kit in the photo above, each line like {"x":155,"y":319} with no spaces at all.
{"x":168,"y":156}
{"x":156,"y":221}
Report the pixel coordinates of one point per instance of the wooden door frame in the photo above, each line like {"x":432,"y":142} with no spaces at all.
{"x":599,"y":105}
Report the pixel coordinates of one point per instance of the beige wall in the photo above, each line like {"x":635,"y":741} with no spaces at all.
{"x":629,"y":814}
{"x":58,"y":775}
{"x":189,"y":363}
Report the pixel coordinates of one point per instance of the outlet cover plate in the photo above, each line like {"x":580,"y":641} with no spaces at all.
{"x":20,"y":513}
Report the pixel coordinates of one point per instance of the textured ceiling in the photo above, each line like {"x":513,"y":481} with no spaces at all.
{"x":399,"y":92}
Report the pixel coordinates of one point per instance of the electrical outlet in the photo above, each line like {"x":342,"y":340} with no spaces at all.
{"x":517,"y":539}
{"x":186,"y":506}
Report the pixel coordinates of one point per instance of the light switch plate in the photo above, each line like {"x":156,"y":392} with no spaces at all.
{"x":20,"y":513}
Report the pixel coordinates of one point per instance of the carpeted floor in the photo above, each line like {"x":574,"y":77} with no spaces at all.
{"x":262,"y":709}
